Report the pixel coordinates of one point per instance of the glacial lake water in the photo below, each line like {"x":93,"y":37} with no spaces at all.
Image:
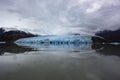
{"x":76,"y":62}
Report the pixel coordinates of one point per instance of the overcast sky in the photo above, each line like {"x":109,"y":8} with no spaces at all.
{"x":60,"y":16}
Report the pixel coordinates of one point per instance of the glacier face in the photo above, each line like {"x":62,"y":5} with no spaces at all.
{"x":57,"y":39}
{"x":53,"y":42}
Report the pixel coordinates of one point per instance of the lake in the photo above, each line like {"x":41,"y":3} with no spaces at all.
{"x":60,"y":62}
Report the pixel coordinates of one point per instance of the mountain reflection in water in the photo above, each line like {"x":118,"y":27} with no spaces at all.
{"x":13,"y":49}
{"x":60,"y":62}
{"x":107,"y":49}
{"x":103,"y":49}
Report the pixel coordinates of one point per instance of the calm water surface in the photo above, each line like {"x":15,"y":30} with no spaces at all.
{"x":86,"y":62}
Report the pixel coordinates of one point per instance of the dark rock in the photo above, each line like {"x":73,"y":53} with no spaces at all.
{"x":1,"y":31}
{"x":97,"y":39}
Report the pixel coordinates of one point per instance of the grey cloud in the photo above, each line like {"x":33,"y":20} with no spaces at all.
{"x":48,"y":16}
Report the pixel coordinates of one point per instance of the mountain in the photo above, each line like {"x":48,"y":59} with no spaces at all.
{"x":110,"y":36}
{"x":13,"y":35}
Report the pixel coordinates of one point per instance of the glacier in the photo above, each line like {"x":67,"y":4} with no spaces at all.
{"x":57,"y":42}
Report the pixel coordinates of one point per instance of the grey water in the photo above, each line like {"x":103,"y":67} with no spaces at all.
{"x":60,"y":62}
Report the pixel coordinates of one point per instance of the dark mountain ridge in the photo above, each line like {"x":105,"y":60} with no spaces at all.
{"x":13,"y":35}
{"x":110,"y":36}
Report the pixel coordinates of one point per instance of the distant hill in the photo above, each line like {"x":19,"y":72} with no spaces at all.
{"x":13,"y":35}
{"x":110,"y":36}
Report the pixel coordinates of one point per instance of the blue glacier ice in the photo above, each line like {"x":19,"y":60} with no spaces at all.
{"x":55,"y":42}
{"x":55,"y":39}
